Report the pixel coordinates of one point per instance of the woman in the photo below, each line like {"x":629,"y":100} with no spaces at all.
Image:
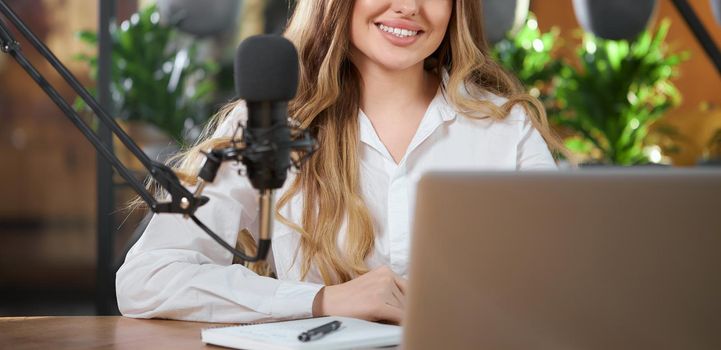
{"x":391,"y":89}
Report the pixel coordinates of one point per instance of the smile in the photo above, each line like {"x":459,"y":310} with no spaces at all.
{"x":398,"y":32}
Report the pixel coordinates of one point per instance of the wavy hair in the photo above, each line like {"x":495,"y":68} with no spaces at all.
{"x":327,"y":103}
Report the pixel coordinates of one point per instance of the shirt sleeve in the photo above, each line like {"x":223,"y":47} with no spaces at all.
{"x":532,"y":151}
{"x":177,"y":271}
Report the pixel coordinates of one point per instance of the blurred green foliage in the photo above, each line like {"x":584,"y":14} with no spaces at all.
{"x":619,"y":89}
{"x":528,"y":54}
{"x":608,"y":98}
{"x":156,"y":76}
{"x":712,"y":153}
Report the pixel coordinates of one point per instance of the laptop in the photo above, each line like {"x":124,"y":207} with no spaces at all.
{"x":602,"y":259}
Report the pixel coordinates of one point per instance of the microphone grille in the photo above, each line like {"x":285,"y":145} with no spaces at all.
{"x":266,"y":69}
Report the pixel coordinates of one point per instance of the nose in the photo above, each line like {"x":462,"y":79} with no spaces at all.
{"x":405,"y":7}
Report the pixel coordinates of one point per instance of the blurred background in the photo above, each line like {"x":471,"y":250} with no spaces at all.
{"x":646,"y":98}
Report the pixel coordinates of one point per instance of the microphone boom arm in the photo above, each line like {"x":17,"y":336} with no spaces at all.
{"x":182,"y":201}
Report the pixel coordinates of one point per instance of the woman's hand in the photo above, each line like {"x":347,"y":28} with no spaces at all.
{"x":379,"y":295}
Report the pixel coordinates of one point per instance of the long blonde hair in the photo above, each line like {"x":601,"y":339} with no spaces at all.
{"x":327,"y":103}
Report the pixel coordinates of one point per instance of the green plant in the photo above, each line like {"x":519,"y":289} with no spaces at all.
{"x":156,"y":78}
{"x":712,"y":152}
{"x":617,"y":91}
{"x":528,"y":54}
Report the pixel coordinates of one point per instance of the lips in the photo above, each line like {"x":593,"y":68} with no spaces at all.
{"x":401,"y":24}
{"x":397,"y":40}
{"x":397,"y":31}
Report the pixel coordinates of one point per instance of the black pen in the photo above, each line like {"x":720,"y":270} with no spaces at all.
{"x":318,"y":332}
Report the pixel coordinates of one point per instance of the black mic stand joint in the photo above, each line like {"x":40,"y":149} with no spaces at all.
{"x":254,"y":146}
{"x":182,"y":201}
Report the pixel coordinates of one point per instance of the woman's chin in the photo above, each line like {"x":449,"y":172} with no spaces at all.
{"x":399,"y":65}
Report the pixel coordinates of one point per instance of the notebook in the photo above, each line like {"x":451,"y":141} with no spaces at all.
{"x":353,"y":333}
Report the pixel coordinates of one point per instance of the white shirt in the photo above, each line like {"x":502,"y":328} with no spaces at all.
{"x":177,"y":271}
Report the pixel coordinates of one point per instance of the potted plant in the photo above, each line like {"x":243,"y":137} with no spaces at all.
{"x":615,"y":19}
{"x":157,"y":77}
{"x":615,"y":92}
{"x":529,"y":55}
{"x":712,"y":152}
{"x":501,"y":17}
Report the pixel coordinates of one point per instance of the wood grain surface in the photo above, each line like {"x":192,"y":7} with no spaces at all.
{"x":109,"y":332}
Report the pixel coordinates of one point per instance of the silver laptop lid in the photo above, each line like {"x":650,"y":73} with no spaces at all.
{"x":620,"y":259}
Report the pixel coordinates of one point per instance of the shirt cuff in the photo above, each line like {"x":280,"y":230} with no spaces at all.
{"x":294,"y":300}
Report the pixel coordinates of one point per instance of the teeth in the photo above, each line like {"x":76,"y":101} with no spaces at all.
{"x":401,"y":33}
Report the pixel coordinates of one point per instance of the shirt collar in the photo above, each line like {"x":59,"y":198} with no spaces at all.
{"x":446,"y":110}
{"x":439,"y":111}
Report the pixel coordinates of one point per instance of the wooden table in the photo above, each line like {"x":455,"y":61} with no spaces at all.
{"x":111,"y":332}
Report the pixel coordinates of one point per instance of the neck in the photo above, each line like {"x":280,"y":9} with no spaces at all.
{"x":383,"y":89}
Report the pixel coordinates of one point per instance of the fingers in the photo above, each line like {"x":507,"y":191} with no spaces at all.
{"x":398,"y":286}
{"x":391,"y":313}
{"x":398,"y":304}
{"x":402,"y":284}
{"x":387,"y":292}
{"x":400,"y":298}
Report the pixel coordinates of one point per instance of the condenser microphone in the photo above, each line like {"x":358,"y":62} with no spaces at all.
{"x":266,"y":77}
{"x":615,"y":19}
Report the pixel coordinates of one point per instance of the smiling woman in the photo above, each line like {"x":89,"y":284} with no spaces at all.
{"x":391,"y":89}
{"x":421,"y":24}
